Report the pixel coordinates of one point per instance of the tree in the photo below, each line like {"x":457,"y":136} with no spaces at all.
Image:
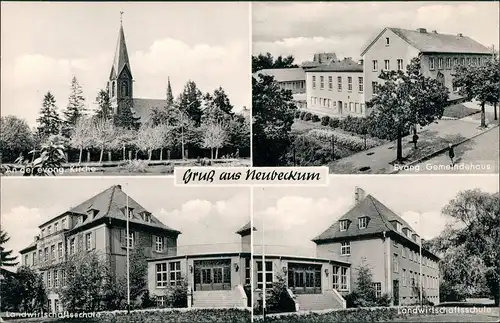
{"x":75,"y":109}
{"x":102,"y":135}
{"x":266,"y":61}
{"x":150,"y":138}
{"x":214,"y":137}
{"x":51,"y":159}
{"x":6,"y":258}
{"x":104,"y":110}
{"x":479,"y":82}
{"x":273,"y":116}
{"x":239,"y":132}
{"x":15,"y":137}
{"x":23,"y":291}
{"x":405,"y":99}
{"x":190,"y":102}
{"x":81,"y":136}
{"x":86,"y":274}
{"x":49,"y":122}
{"x":124,"y":138}
{"x":479,"y":212}
{"x":138,"y":270}
{"x":124,"y":117}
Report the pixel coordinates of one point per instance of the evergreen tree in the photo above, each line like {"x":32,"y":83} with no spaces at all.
{"x":75,"y":108}
{"x":49,"y":121}
{"x":124,"y":118}
{"x":104,"y":110}
{"x":190,"y":102}
{"x":217,"y":107}
{"x":6,"y":258}
{"x":170,"y":97}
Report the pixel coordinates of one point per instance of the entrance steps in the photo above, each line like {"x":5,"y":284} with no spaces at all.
{"x":218,"y":299}
{"x":313,"y":302}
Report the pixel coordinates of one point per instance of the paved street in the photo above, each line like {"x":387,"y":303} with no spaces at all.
{"x":476,"y":156}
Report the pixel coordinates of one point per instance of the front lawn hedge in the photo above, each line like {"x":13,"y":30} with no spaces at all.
{"x":174,"y":315}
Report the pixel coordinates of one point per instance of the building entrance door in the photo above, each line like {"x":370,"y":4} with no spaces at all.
{"x":212,"y":275}
{"x":339,"y":106}
{"x":304,"y":278}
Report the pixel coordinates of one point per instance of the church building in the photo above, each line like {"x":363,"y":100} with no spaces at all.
{"x":120,"y":85}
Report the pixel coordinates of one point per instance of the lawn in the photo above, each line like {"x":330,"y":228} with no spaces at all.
{"x":458,"y":111}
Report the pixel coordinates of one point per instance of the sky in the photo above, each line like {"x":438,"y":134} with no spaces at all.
{"x":294,"y":215}
{"x":302,"y":29}
{"x":45,"y":44}
{"x":203,"y":215}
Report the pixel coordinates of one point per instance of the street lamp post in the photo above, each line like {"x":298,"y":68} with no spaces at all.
{"x":128,"y":257}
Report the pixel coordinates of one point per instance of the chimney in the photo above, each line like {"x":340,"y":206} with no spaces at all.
{"x":119,"y":186}
{"x":460,"y":35}
{"x":37,"y":238}
{"x":359,"y":195}
{"x":434,"y":32}
{"x":360,"y":62}
{"x":422,"y":30}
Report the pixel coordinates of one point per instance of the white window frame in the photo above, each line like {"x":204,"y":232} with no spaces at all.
{"x":330,"y":83}
{"x":174,"y":272}
{"x":336,"y":277}
{"x":313,"y":81}
{"x":387,"y":41}
{"x":345,"y":248}
{"x":432,"y":64}
{"x":344,"y":278}
{"x":321,"y":82}
{"x":339,"y":83}
{"x":349,"y":83}
{"x":387,"y":64}
{"x":377,"y":286}
{"x":343,"y":224}
{"x":88,"y":241}
{"x":374,"y":65}
{"x":264,"y":271}
{"x":130,"y":240}
{"x":362,"y":222}
{"x":161,"y":271}
{"x":440,"y":63}
{"x":158,"y":244}
{"x":361,"y":85}
{"x":400,"y":64}
{"x":161,"y":301}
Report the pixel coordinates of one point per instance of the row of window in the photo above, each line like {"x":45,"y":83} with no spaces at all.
{"x":362,"y":223}
{"x":124,"y":88}
{"x":387,"y":65}
{"x":412,"y":279}
{"x":53,"y":228}
{"x":353,"y":107}
{"x":449,"y":62}
{"x":168,"y":274}
{"x":292,"y":85}
{"x":54,"y":278}
{"x":415,"y":256}
{"x":339,"y":83}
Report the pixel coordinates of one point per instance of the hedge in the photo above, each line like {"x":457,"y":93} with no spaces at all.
{"x":325,"y":120}
{"x":308,"y":116}
{"x":315,"y":118}
{"x":312,"y":151}
{"x":171,"y":315}
{"x":351,"y":142}
{"x":375,"y":314}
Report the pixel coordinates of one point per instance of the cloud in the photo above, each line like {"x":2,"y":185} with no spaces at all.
{"x":300,"y":29}
{"x":26,"y":78}
{"x":206,"y":222}
{"x":294,"y":220}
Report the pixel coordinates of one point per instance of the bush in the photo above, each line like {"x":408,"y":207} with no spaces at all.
{"x":302,"y":115}
{"x":136,"y":166}
{"x":315,"y":118}
{"x":384,"y":300}
{"x":351,"y":142}
{"x":297,"y":114}
{"x":308,"y":116}
{"x":325,"y":120}
{"x":334,"y":122}
{"x":312,"y":151}
{"x":177,"y":295}
{"x":279,"y":300}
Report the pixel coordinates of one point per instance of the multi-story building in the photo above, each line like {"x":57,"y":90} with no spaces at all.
{"x":394,"y":48}
{"x":96,"y":225}
{"x":372,"y":235}
{"x":293,"y":79}
{"x":215,"y":275}
{"x":336,"y":89}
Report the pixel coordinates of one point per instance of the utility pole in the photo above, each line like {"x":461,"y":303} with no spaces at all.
{"x":128,"y":257}
{"x":420,"y":262}
{"x":263,"y":270}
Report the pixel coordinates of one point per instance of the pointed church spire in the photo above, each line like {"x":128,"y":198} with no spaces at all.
{"x":170,"y":97}
{"x":120,"y":62}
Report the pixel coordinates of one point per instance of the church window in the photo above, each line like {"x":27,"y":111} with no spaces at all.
{"x":113,"y":89}
{"x":124,"y":89}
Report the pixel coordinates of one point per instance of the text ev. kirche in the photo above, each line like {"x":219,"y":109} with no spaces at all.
{"x":209,"y":176}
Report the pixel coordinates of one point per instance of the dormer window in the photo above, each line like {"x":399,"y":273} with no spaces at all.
{"x":43,"y":233}
{"x":49,"y":229}
{"x":56,"y":226}
{"x":362,"y":222}
{"x":92,"y":213}
{"x":146,"y":216}
{"x":130,"y":213}
{"x":63,"y":224}
{"x":344,"y":224}
{"x":80,"y":220}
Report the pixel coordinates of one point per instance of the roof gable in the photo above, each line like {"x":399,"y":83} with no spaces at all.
{"x":121,"y":56}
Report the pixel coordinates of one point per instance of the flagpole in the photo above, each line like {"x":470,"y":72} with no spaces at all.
{"x":128,"y":256}
{"x":420,"y":251}
{"x":263,"y":270}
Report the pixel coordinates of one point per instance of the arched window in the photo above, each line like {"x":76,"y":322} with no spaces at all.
{"x":113,"y":89}
{"x":124,"y":88}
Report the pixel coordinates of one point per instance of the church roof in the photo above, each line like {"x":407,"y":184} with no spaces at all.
{"x":121,"y":56}
{"x":142,"y":107}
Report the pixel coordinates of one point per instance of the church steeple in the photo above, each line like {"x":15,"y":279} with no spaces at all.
{"x":120,"y":78}
{"x":170,"y":97}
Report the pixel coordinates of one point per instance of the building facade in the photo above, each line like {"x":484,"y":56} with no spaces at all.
{"x":215,"y":276}
{"x":96,"y":225}
{"x":372,"y":235}
{"x":440,"y":54}
{"x":293,"y":79}
{"x":336,"y":89}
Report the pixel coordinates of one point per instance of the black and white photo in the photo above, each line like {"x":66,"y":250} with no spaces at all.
{"x":381,"y":95}
{"x":124,"y":88}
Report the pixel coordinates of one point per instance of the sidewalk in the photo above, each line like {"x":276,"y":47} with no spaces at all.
{"x":433,"y":137}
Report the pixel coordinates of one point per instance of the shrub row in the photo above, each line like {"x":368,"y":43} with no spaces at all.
{"x":377,"y":314}
{"x":311,"y":151}
{"x":356,"y":125}
{"x":351,"y":142}
{"x":174,"y":315}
